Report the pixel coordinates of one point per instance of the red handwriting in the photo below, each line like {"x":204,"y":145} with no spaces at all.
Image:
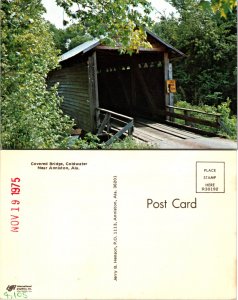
{"x":15,"y":204}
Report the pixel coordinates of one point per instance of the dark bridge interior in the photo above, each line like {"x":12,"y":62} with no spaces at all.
{"x":131,"y":85}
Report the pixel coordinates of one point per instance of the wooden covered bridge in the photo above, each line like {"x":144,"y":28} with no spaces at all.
{"x":104,"y":90}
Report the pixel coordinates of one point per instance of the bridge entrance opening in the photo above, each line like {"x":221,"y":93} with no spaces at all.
{"x":131,"y":85}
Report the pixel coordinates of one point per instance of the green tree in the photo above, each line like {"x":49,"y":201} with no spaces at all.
{"x":69,"y":37}
{"x":223,"y":7}
{"x":116,"y":22}
{"x":30,"y":114}
{"x":207,"y":75}
{"x":123,"y":22}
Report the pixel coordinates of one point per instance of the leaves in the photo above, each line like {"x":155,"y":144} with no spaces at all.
{"x":70,"y":37}
{"x":113,"y":21}
{"x":207,"y":75}
{"x":228,"y":122}
{"x":30,"y":114}
{"x":224,"y":7}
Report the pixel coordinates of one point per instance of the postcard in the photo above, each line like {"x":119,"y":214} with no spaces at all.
{"x":118,"y":224}
{"x":80,"y":219}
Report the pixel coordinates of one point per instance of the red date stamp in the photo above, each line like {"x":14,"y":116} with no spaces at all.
{"x":15,"y":204}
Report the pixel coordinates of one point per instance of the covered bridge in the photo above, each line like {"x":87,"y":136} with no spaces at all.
{"x":95,"y":78}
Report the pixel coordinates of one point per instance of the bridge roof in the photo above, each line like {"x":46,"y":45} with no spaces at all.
{"x":89,"y":45}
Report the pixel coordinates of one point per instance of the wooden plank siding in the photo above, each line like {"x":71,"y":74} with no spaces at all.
{"x":93,"y":91}
{"x":74,"y":87}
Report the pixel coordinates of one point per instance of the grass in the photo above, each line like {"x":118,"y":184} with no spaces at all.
{"x":128,"y":143}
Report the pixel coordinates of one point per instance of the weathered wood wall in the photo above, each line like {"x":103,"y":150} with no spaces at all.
{"x":74,"y":87}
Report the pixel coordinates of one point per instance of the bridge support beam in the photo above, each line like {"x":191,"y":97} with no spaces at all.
{"x":166,"y":77}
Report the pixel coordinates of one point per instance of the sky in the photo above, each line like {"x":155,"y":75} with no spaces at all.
{"x":55,"y":13}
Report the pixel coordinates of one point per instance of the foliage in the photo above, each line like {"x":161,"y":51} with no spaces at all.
{"x":90,"y":141}
{"x":228,"y":121}
{"x":128,"y":143}
{"x":223,"y":7}
{"x":30,"y":114}
{"x":69,"y":37}
{"x":207,"y":75}
{"x":120,"y":22}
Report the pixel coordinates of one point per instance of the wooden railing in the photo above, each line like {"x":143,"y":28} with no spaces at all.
{"x":109,"y":120}
{"x":191,"y":120}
